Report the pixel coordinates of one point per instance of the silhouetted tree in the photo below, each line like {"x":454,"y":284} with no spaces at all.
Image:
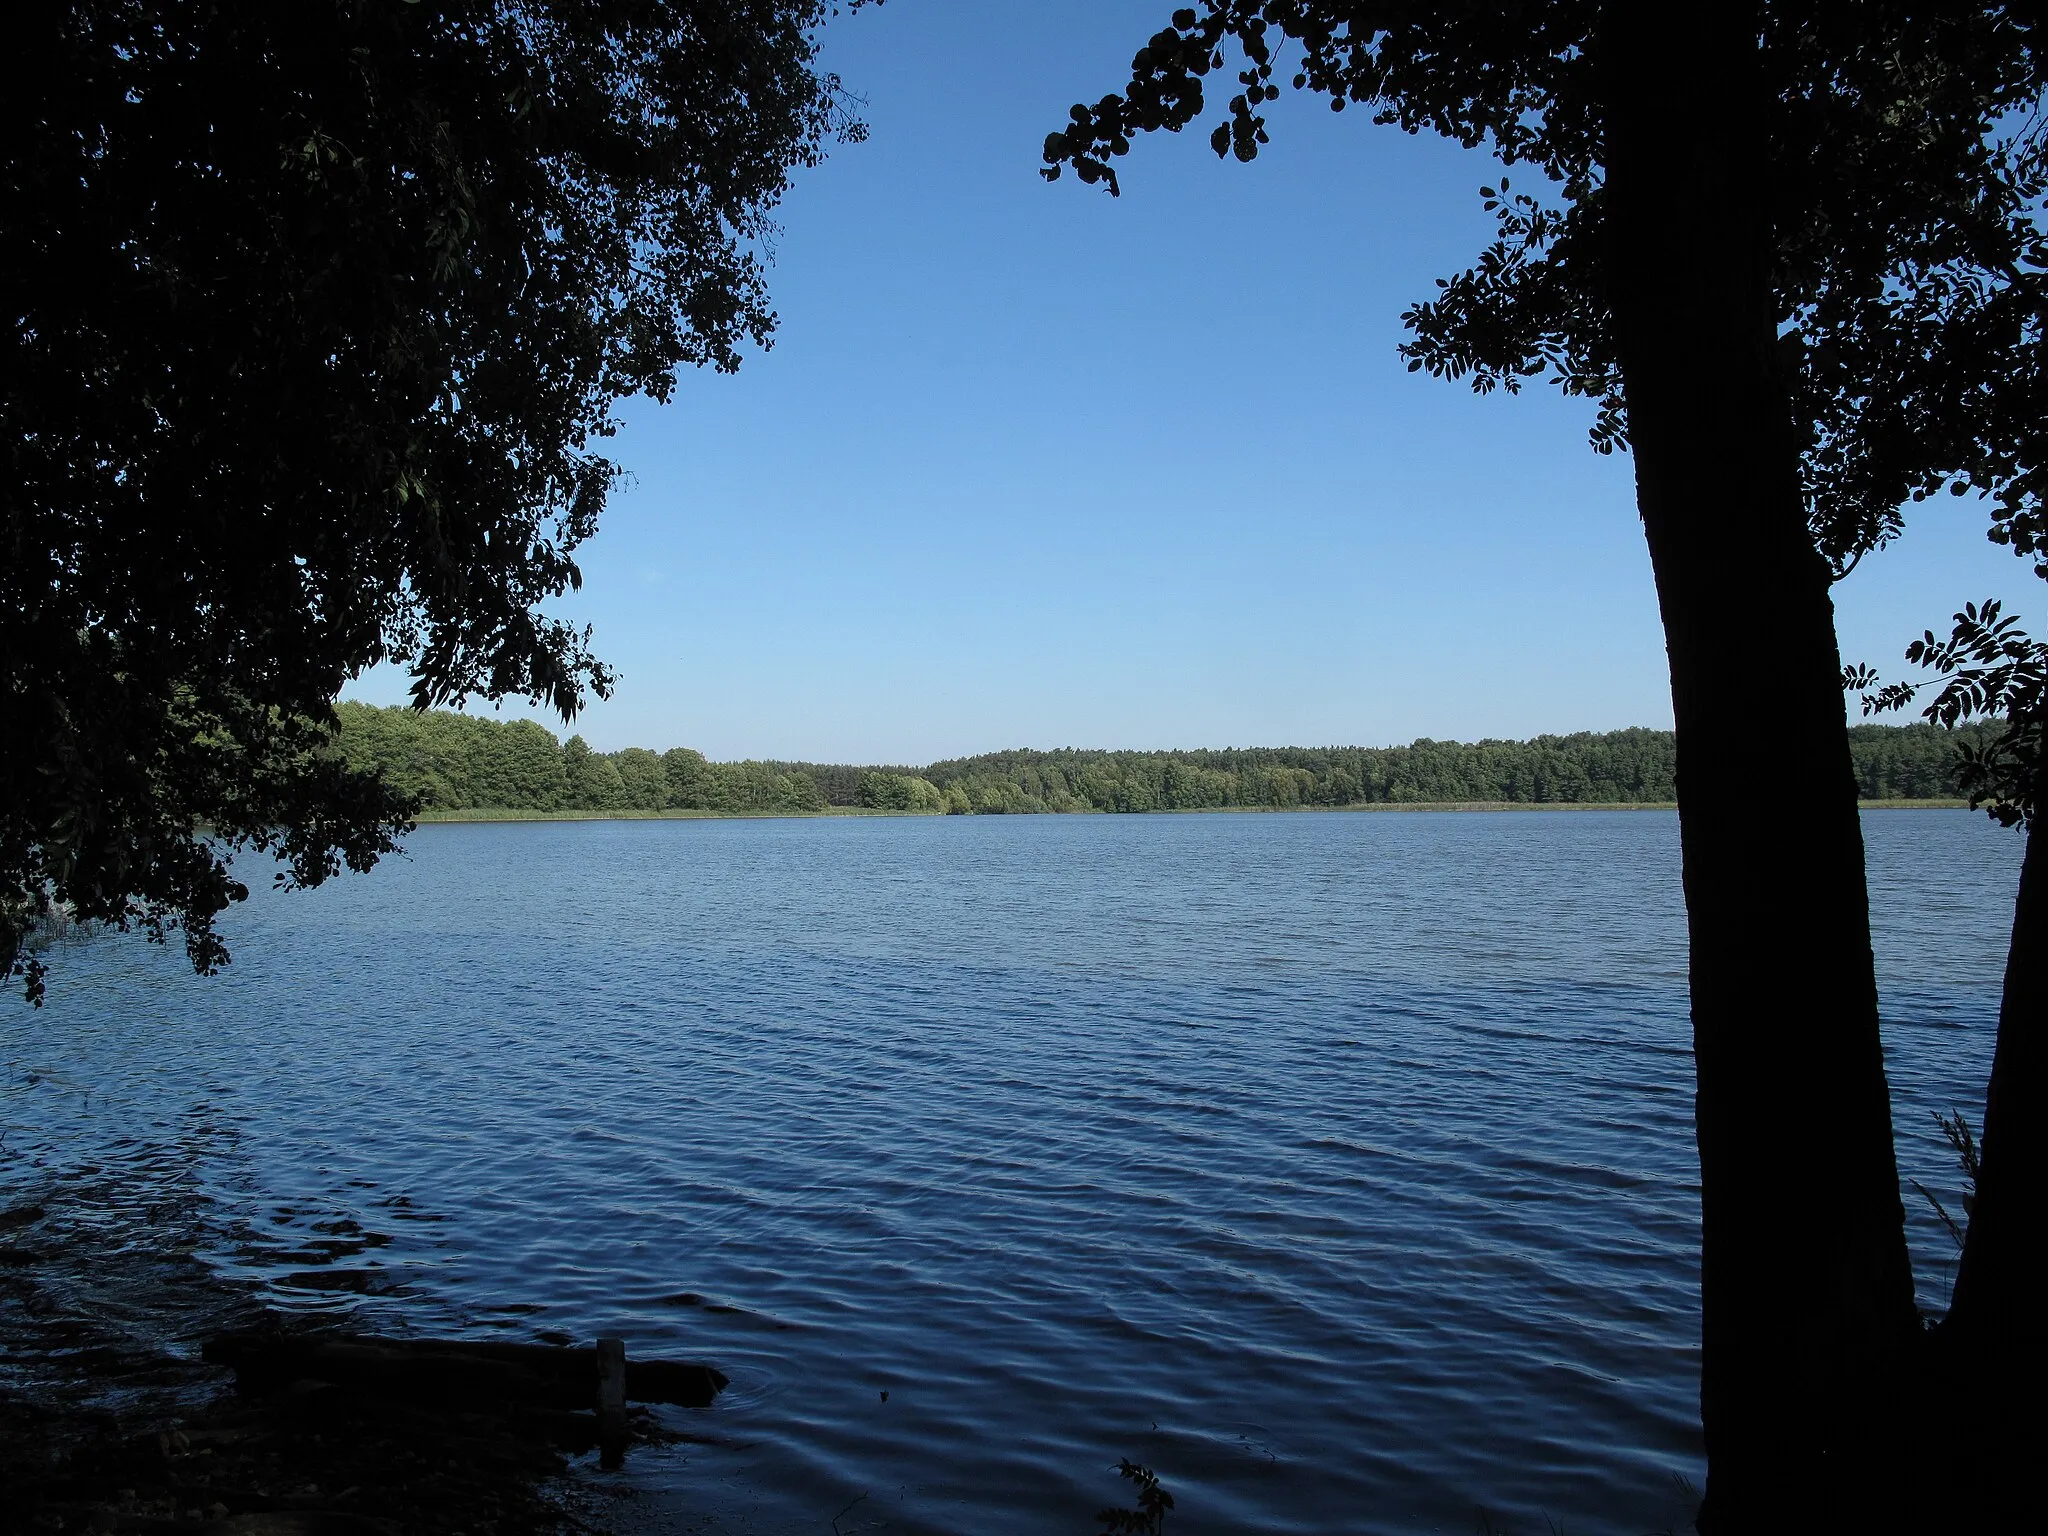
{"x":316,"y":315}
{"x":1791,"y":251}
{"x":1996,"y":1333}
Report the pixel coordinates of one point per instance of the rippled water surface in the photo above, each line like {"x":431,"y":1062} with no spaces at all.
{"x":1337,"y":1166}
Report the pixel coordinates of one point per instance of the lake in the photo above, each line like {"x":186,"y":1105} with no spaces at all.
{"x":1337,"y":1166}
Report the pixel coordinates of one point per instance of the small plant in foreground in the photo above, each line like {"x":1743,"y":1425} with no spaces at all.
{"x":1957,"y":1130}
{"x":1149,"y":1518}
{"x":1688,"y":1503}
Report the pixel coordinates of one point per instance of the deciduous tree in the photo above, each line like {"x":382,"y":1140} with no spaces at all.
{"x":1994,"y":1338}
{"x":318,"y":314}
{"x":1792,"y":253}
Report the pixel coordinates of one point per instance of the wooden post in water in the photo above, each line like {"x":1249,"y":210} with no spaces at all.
{"x":611,"y":1402}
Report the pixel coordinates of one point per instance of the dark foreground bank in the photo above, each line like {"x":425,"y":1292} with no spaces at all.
{"x":113,"y":1418}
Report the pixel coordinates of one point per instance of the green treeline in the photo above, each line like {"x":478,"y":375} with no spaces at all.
{"x":453,"y":762}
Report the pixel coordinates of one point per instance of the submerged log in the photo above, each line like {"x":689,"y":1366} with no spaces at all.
{"x":491,"y":1372}
{"x":611,"y":1401}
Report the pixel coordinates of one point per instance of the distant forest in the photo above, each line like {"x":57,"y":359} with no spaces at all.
{"x":453,"y":762}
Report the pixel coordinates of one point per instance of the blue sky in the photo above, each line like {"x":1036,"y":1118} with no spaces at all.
{"x":1029,"y":466}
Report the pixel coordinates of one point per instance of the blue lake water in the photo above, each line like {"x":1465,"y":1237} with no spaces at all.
{"x":1337,"y":1166}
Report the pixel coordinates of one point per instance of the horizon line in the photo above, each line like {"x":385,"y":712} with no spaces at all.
{"x":494,"y":717}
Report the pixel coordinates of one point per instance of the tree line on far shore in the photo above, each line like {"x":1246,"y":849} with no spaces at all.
{"x":445,"y":761}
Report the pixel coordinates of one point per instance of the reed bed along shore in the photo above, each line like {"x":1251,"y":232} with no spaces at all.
{"x":487,"y":814}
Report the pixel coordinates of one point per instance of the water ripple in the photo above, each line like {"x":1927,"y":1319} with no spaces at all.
{"x":1339,"y":1167}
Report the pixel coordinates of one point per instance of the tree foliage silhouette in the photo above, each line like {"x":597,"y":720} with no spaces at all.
{"x":1990,"y":669}
{"x":318,"y":317}
{"x":1792,"y":254}
{"x":1153,"y":1504}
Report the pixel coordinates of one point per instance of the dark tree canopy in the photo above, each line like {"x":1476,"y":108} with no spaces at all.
{"x":1794,"y":252}
{"x":1906,"y":178}
{"x":1996,"y":673}
{"x":318,"y":316}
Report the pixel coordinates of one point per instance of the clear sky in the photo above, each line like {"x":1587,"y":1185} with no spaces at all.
{"x":1029,"y":466}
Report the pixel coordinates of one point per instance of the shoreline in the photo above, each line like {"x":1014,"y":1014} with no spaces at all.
{"x":113,"y":1421}
{"x":485,"y":814}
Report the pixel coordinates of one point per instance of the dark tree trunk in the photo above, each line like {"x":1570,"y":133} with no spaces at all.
{"x":1995,"y":1337}
{"x":1807,"y":1288}
{"x":1998,"y":1294}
